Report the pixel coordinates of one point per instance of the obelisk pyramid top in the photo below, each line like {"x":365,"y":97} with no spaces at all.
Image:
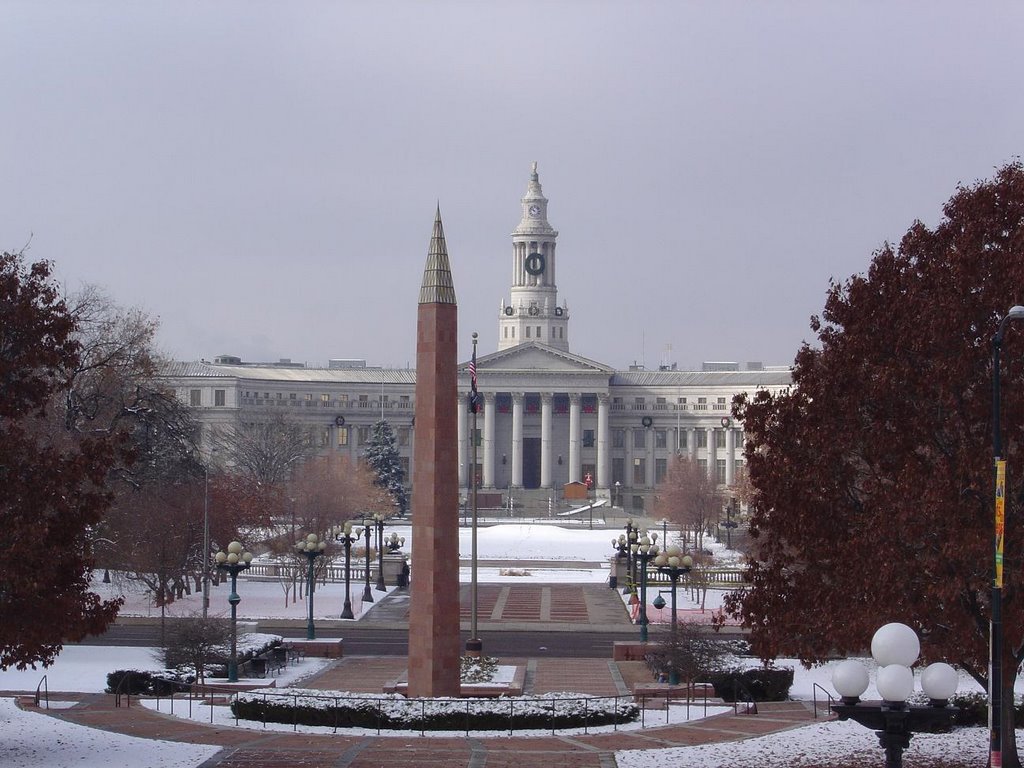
{"x":437,"y":286}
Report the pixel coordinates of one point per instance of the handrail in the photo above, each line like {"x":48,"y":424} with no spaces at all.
{"x":814,"y":698}
{"x":46,"y":692}
{"x":118,"y":693}
{"x":748,"y":698}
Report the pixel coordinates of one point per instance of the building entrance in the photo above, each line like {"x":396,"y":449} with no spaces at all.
{"x":531,"y":462}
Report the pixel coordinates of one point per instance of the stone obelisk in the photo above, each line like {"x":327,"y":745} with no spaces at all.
{"x":434,"y":590}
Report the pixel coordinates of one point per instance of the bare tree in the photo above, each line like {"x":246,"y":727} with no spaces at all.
{"x":688,"y":497}
{"x":267,"y":451}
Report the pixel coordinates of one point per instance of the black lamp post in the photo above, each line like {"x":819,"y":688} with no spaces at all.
{"x":378,"y":524}
{"x":345,"y":537}
{"x":234,"y":561}
{"x":995,"y":683}
{"x":895,"y":648}
{"x":675,"y":567}
{"x":311,"y":547}
{"x":394,"y":543}
{"x":621,"y":547}
{"x":630,"y":539}
{"x":643,"y":552}
{"x":367,"y":593}
{"x":729,"y":523}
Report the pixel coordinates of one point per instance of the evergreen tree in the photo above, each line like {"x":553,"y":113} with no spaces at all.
{"x":382,"y":456}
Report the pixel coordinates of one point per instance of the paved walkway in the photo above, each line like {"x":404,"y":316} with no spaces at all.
{"x":243,"y":747}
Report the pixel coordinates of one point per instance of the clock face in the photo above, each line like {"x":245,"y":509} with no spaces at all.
{"x":535,"y":211}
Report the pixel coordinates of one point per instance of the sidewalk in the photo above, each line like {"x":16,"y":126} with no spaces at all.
{"x":247,"y":748}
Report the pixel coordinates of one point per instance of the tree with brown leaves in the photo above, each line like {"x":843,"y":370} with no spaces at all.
{"x":873,"y":474}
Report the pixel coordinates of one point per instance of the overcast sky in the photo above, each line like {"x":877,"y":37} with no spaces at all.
{"x":263,"y":176}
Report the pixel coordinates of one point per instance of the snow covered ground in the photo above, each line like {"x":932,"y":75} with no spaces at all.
{"x":32,"y":740}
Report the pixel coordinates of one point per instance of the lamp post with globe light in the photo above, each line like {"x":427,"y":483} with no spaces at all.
{"x":346,"y":537}
{"x":895,"y":648}
{"x":675,"y":565}
{"x":645,"y":550}
{"x":367,"y":592}
{"x":311,"y":548}
{"x":378,"y":524}
{"x":234,"y":561}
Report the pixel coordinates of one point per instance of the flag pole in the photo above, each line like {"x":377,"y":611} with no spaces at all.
{"x":474,"y":646}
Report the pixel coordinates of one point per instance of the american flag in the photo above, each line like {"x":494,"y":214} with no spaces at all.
{"x":474,"y":396}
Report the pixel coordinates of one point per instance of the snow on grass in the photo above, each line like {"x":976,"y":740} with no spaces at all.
{"x":32,"y":740}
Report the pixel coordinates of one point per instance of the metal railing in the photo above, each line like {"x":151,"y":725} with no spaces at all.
{"x":45,"y":695}
{"x":814,"y":698}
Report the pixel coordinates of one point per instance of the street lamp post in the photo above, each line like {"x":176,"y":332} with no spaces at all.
{"x":643,"y":552}
{"x":895,"y":647}
{"x":672,"y":565}
{"x":367,"y":592}
{"x":345,"y":537}
{"x":311,"y":547}
{"x":378,"y":524}
{"x":621,"y":547}
{"x":995,"y":678}
{"x":234,"y":561}
{"x":394,"y":543}
{"x":729,"y":524}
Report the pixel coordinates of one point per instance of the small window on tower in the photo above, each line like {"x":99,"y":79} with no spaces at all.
{"x":527,"y":331}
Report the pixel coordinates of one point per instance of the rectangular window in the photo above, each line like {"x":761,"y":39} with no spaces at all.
{"x":720,"y":471}
{"x":719,"y":438}
{"x":279,"y":395}
{"x":639,"y":404}
{"x":538,"y":332}
{"x":195,"y":397}
{"x":403,"y":436}
{"x":342,"y":436}
{"x":702,"y":465}
{"x":640,"y":438}
{"x":639,"y":472}
{"x":660,"y":470}
{"x":403,"y":462}
{"x":702,"y":404}
{"x":682,"y":439}
{"x":702,"y":438}
{"x":720,"y":404}
{"x":528,"y":329}
{"x":218,"y":397}
{"x":638,"y":502}
{"x":309,"y":396}
{"x":618,"y":438}
{"x":588,"y":438}
{"x":292,"y":396}
{"x":364,"y":435}
{"x":478,"y":437}
{"x":325,"y":400}
{"x":513,"y":333}
{"x":325,"y":437}
{"x":660,"y":438}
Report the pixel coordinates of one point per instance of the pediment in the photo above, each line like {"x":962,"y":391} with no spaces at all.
{"x":536,"y":357}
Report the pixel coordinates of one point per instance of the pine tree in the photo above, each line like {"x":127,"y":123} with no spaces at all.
{"x":382,"y":456}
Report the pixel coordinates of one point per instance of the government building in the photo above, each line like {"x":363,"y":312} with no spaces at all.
{"x":550,"y":417}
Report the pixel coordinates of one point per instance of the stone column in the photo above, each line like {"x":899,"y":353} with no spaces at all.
{"x":603,"y":477}
{"x":462,"y":409}
{"x":650,"y":457}
{"x":517,"y":439}
{"x":545,"y":440}
{"x":574,"y":437}
{"x":691,"y":442}
{"x":730,"y":456}
{"x":712,"y":456}
{"x":489,"y":409}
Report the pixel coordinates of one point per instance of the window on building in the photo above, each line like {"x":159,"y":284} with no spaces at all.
{"x":720,"y":404}
{"x":403,"y":398}
{"x":618,"y":438}
{"x":588,"y":438}
{"x":702,"y":438}
{"x":638,"y":502}
{"x":403,"y":462}
{"x":478,"y":437}
{"x":279,"y":395}
{"x":324,"y":400}
{"x":618,"y":470}
{"x":538,"y":332}
{"x":639,"y":471}
{"x":343,"y":399}
{"x":195,"y":397}
{"x":720,"y":471}
{"x":528,"y":329}
{"x":364,"y":435}
{"x":505,"y":332}
{"x":266,"y":395}
{"x":342,"y":436}
{"x":660,"y":438}
{"x":403,"y":436}
{"x":702,"y":404}
{"x":639,"y":404}
{"x":513,"y":333}
{"x":702,"y":465}
{"x":292,"y":396}
{"x":660,"y":470}
{"x":640,"y":438}
{"x":325,"y":437}
{"x":682,"y":439}
{"x":308,"y":397}
{"x":719,"y":438}
{"x":218,"y":397}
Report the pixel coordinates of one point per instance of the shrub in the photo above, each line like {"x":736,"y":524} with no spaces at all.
{"x":689,"y":650}
{"x":160,"y":683}
{"x":392,"y":711}
{"x":761,"y":684}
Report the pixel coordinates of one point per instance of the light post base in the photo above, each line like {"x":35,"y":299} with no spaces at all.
{"x":475,"y":647}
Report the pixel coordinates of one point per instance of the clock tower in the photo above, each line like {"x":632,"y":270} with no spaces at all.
{"x":533,"y":314}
